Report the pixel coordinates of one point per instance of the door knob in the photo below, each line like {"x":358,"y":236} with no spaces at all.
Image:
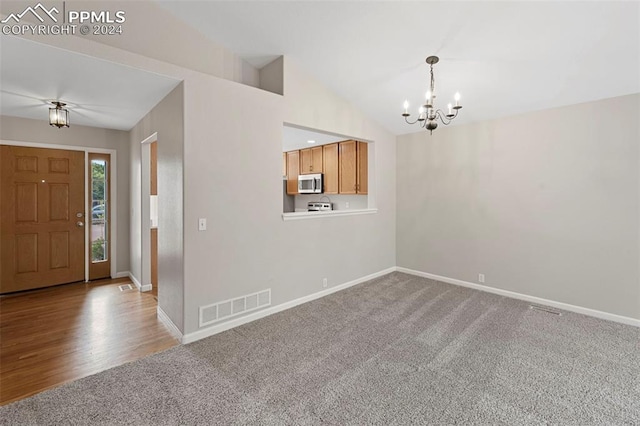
{"x":79,"y":224}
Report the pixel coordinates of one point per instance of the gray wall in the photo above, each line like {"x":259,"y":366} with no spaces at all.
{"x":39,"y":131}
{"x":233,"y":177}
{"x":271,"y":76}
{"x":166,"y":119}
{"x":544,"y":204}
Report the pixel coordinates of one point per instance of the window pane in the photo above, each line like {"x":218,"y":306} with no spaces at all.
{"x":99,"y":211}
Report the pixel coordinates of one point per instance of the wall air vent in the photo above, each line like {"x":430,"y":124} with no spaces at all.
{"x":226,"y":309}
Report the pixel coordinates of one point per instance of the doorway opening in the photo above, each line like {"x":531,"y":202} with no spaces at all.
{"x":149,"y":219}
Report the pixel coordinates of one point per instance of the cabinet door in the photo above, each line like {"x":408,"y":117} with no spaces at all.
{"x":284,"y":164}
{"x":306,"y":161}
{"x":316,"y":160}
{"x":330,"y":168}
{"x":293,"y":169}
{"x":362,"y":185}
{"x":347,"y":159}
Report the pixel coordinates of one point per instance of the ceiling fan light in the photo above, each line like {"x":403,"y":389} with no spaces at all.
{"x":59,"y":116}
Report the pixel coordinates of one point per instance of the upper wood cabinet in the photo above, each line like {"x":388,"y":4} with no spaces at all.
{"x":293,"y":170}
{"x":284,"y":164}
{"x":330,"y":167}
{"x":311,"y":160}
{"x":353,"y":162}
{"x":362,"y":176}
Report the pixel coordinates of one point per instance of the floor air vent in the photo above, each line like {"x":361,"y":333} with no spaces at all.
{"x":545,"y":309}
{"x":125,"y":287}
{"x":229,"y":308}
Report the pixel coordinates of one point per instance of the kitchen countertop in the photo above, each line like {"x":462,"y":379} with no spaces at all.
{"x":328,"y":213}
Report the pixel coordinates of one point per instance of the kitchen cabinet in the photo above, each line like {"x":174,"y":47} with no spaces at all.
{"x":293,"y":170}
{"x":330,"y":167}
{"x":311,"y":160}
{"x":353,"y":167}
{"x":284,"y":164}
{"x":362,"y":175}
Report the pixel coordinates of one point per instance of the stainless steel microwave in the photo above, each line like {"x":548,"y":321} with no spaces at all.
{"x":310,"y":184}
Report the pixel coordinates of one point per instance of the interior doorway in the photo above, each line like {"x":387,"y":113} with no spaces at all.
{"x":153,"y":200}
{"x":149,"y":214}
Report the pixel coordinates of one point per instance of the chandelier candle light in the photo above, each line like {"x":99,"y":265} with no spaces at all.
{"x":427,"y":113}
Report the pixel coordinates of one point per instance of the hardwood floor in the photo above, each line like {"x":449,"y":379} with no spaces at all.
{"x":52,"y":336}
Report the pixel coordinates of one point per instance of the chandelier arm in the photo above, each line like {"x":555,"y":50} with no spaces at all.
{"x":410,"y":122}
{"x":442,"y":117}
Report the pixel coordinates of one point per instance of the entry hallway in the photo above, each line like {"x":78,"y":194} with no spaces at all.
{"x":51,"y":336}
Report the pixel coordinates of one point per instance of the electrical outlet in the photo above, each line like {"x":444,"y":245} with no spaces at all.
{"x":481,"y":278}
{"x":324,"y":282}
{"x":202,"y":224}
{"x":346,"y":205}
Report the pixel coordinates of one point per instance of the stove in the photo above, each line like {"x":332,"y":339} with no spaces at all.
{"x":317,"y":206}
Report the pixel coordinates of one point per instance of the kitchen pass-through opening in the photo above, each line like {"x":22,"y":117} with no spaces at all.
{"x":324,"y":172}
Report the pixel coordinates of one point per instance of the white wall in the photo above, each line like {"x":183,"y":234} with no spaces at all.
{"x":39,"y":131}
{"x":233,"y":177}
{"x":165,"y":119}
{"x":544,"y":204}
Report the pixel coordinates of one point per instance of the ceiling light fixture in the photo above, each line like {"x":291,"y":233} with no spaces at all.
{"x":427,"y":113}
{"x":58,"y":116}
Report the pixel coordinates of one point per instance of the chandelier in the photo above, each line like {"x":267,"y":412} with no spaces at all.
{"x":58,"y":116}
{"x":427,"y":113}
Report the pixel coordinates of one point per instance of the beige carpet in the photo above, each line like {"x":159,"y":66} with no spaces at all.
{"x":395,"y":350}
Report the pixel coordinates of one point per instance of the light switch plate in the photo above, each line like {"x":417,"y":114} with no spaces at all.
{"x":202,"y":224}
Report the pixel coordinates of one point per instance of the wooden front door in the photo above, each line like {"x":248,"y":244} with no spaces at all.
{"x":42,"y":237}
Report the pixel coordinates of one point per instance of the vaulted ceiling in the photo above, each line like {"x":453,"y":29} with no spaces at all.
{"x":505,"y":58}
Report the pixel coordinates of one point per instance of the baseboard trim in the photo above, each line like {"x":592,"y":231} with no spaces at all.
{"x":173,"y":329}
{"x":146,"y":287}
{"x":538,"y":300}
{"x":219,"y":328}
{"x":123,"y":274}
{"x":135,"y":280}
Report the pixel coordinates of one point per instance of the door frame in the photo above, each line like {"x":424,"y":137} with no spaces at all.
{"x":114,"y":194}
{"x":145,"y":209}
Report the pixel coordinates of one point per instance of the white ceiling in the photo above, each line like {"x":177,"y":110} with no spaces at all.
{"x":99,"y":93}
{"x":504,"y":57}
{"x":295,"y":138}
